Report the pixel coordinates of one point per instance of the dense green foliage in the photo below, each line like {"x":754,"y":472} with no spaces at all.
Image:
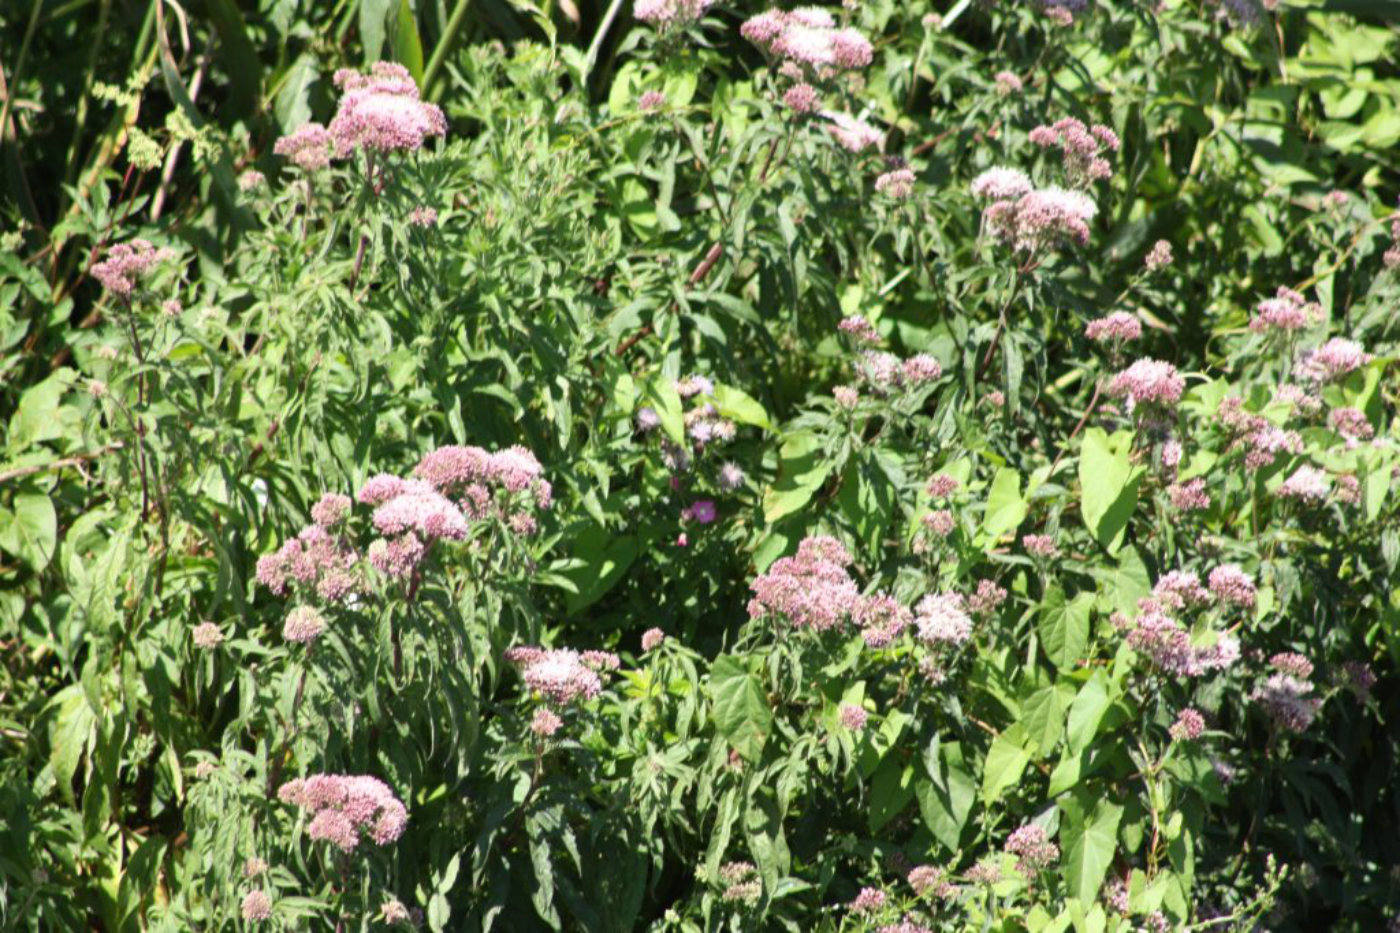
{"x":962,"y":649}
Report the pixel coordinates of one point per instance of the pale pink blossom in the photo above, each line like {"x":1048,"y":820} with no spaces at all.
{"x":1001,"y":184}
{"x":897,"y":183}
{"x":382,"y":112}
{"x":1119,"y":327}
{"x":810,"y":590}
{"x":206,"y":635}
{"x":256,"y":906}
{"x":940,"y":618}
{"x":345,"y":808}
{"x":1148,"y":381}
{"x":1188,"y":726}
{"x":652,"y":638}
{"x":1232,"y":585}
{"x":1307,"y":484}
{"x":308,"y":146}
{"x":1333,"y":359}
{"x":303,"y":625}
{"x":1159,"y":257}
{"x":127,"y":263}
{"x":853,"y":134}
{"x":1287,"y":311}
{"x":853,"y":717}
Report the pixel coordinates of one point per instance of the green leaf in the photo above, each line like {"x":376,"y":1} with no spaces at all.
{"x":737,"y":405}
{"x":662,"y":396}
{"x":408,"y":47}
{"x":36,"y":418}
{"x":1005,"y":507}
{"x":1108,"y":485}
{"x":1064,"y":627}
{"x":946,"y":798}
{"x":1043,"y":715}
{"x":741,"y":712}
{"x":374,"y":26}
{"x":31,"y":530}
{"x":1088,"y":836}
{"x":1087,"y":711}
{"x":890,"y":792}
{"x":1006,"y":760}
{"x":802,"y":468}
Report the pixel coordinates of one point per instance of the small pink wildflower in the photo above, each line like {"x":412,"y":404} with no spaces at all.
{"x":560,"y":675}
{"x":330,"y":510}
{"x":126,"y":263}
{"x":1287,"y":311}
{"x":941,"y":486}
{"x":308,"y":146}
{"x":802,"y":98}
{"x":1287,"y":701}
{"x":1033,"y":849}
{"x":988,"y":597}
{"x":1159,"y":257}
{"x":303,"y":625}
{"x":852,"y":134}
{"x":868,"y":901}
{"x":381,"y":112}
{"x":545,"y":722}
{"x":1292,"y":664}
{"x":1001,"y":184}
{"x":1188,"y":726}
{"x":651,"y":638}
{"x":929,"y":879}
{"x":940,"y":522}
{"x":702,"y":512}
{"x":1332,"y":360}
{"x":1008,"y":83}
{"x":1148,"y":381}
{"x":665,"y":15}
{"x":423,"y":217}
{"x":1307,"y":484}
{"x":1040,"y":546}
{"x":343,"y":807}
{"x":853,"y":717}
{"x":651,"y":102}
{"x":206,"y":635}
{"x":897,"y":183}
{"x":810,"y":590}
{"x":256,"y":906}
{"x":1232,"y":585}
{"x":940,"y":619}
{"x":1080,"y":148}
{"x":1119,"y":327}
{"x":1189,"y":496}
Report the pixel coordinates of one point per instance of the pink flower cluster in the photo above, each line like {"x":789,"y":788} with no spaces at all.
{"x":381,"y":112}
{"x":1188,"y":726}
{"x":1118,"y":327}
{"x":309,"y":146}
{"x":128,"y":262}
{"x":1261,"y":440}
{"x":868,"y":901}
{"x":896,"y":183}
{"x":942,"y":619}
{"x":303,"y":625}
{"x":1189,"y":496}
{"x":852,"y":133}
{"x":1039,"y":220}
{"x":885,"y":372}
{"x":1351,"y":423}
{"x":1232,"y":585}
{"x":668,"y":14}
{"x":1288,"y":701}
{"x":859,"y":329}
{"x":1334,"y":359}
{"x":1307,"y":484}
{"x":809,"y":38}
{"x":1033,"y":849}
{"x":1148,"y":382}
{"x":811,"y":589}
{"x":316,"y":559}
{"x":1159,"y":257}
{"x":507,"y":485}
{"x":881,"y":619}
{"x":930,"y":879}
{"x":562,"y":676}
{"x":1001,"y":184}
{"x":1287,"y":311}
{"x":853,"y":717}
{"x":346,"y":807}
{"x":1080,"y":147}
{"x":1168,"y":646}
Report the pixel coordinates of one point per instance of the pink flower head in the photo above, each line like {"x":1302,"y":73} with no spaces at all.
{"x":1189,"y":496}
{"x":1008,"y":83}
{"x":868,"y":901}
{"x":562,"y":676}
{"x":1232,"y":585}
{"x":988,"y":597}
{"x":545,"y":722}
{"x":308,"y":146}
{"x":382,"y":112}
{"x":693,"y":385}
{"x":1307,"y":484}
{"x":1351,"y":423}
{"x":1033,"y":849}
{"x":881,"y":619}
{"x":315,"y":559}
{"x":303,"y":625}
{"x":852,"y":134}
{"x":1332,"y":360}
{"x":669,"y":14}
{"x":941,"y":619}
{"x":808,"y":38}
{"x":1040,"y":545}
{"x":206,"y":635}
{"x":1287,"y":311}
{"x":1292,"y":664}
{"x":701,"y":512}
{"x":256,"y":906}
{"x":1287,"y":701}
{"x":1080,"y":148}
{"x":1179,"y":589}
{"x":345,"y":808}
{"x":1118,"y":327}
{"x":422,"y":510}
{"x":897,"y":183}
{"x":1041,"y":219}
{"x":422,"y":216}
{"x":802,"y":98}
{"x":920,"y":368}
{"x":330,"y":510}
{"x":941,"y":486}
{"x":380,"y":489}
{"x":810,"y":590}
{"x":651,"y":638}
{"x":1001,"y":184}
{"x":1150,"y":382}
{"x":853,"y":717}
{"x":126,"y":263}
{"x":1188,"y":726}
{"x":651,"y":101}
{"x":859,"y":329}
{"x":1159,"y":256}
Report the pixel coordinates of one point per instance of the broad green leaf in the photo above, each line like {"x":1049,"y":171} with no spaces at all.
{"x":737,"y":405}
{"x":1005,"y":507}
{"x":1108,"y":485}
{"x":408,"y":47}
{"x":802,"y":468}
{"x":36,"y":417}
{"x":890,"y":792}
{"x":741,"y":712}
{"x":31,"y":530}
{"x":1088,"y":838}
{"x":946,"y":798}
{"x":1064,"y":627}
{"x":1087,"y":711}
{"x":1006,"y":760}
{"x":1043,"y":716}
{"x":661,"y":395}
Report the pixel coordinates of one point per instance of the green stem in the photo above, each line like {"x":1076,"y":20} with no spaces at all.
{"x":445,"y":44}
